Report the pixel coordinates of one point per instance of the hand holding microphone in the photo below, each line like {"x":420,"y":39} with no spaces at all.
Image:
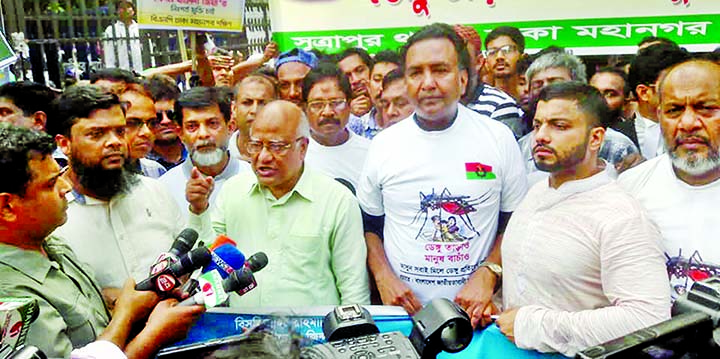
{"x":167,"y":279}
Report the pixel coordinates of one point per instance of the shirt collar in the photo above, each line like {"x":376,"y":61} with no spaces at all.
{"x":587,"y":184}
{"x":303,"y":188}
{"x":31,"y":263}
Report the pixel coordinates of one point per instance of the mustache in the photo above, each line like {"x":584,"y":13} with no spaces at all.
{"x":703,"y":139}
{"x":544,"y":148}
{"x":329,"y":121}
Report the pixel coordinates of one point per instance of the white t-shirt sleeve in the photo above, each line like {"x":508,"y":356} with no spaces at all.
{"x":369,"y":191}
{"x":514,"y":176}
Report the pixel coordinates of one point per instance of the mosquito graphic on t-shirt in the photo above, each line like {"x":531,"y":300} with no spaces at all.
{"x":447,"y":212}
{"x":688,"y":270}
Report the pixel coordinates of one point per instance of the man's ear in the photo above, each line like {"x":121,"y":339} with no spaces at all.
{"x":63,"y":144}
{"x":597,"y":136}
{"x":7,"y":210}
{"x":463,"y":81}
{"x":643,"y":92}
{"x":232,"y":125}
{"x":39,"y":120}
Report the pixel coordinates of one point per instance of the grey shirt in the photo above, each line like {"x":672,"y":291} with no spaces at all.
{"x":72,"y":311}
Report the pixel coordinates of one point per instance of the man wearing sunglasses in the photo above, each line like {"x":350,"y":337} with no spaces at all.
{"x":140,"y":121}
{"x":333,"y":149}
{"x":167,"y":150}
{"x":205,"y":120}
{"x":308,"y":224}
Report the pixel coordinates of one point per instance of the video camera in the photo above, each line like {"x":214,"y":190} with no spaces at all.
{"x":690,"y":333}
{"x":352,"y":333}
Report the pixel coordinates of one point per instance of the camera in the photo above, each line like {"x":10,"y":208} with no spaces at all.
{"x":688,"y":334}
{"x":352,"y":333}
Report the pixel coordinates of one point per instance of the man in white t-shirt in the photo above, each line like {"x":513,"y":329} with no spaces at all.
{"x":681,"y":188}
{"x":333,"y":150}
{"x":446,"y":179}
{"x":204,"y":115}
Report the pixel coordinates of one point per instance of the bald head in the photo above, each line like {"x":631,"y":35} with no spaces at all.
{"x":283,"y":115}
{"x":690,"y":73}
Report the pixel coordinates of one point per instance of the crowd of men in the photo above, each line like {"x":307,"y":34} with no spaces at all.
{"x":437,"y":170}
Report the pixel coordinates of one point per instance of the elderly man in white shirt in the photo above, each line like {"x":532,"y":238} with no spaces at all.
{"x":574,"y":248}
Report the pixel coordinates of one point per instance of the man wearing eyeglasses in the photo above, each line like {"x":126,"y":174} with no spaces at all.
{"x":205,"y":116}
{"x":333,"y":149}
{"x":167,"y":150}
{"x":308,"y":224}
{"x":504,"y":46}
{"x":140,"y":120}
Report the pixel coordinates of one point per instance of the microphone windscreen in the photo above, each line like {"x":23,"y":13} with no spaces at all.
{"x":239,"y":279}
{"x":257,"y":261}
{"x":194,"y":259}
{"x":184,"y":242}
{"x":221,"y":240}
{"x":225,"y":259}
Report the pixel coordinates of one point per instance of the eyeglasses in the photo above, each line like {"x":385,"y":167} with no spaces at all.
{"x":276,"y":148}
{"x":506,"y":50}
{"x":170,"y":115}
{"x":336,"y":105}
{"x":134,"y":124}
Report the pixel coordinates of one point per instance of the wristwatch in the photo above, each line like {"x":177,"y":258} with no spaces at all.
{"x":495,"y":269}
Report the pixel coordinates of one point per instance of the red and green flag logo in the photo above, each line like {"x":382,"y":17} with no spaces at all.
{"x":478,"y":171}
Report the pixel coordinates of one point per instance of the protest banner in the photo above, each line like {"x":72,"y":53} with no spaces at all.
{"x":590,"y":27}
{"x":209,"y":15}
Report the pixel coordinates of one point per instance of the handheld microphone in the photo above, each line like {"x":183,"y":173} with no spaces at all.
{"x":182,"y":244}
{"x":240,"y":281}
{"x":225,"y":259}
{"x":167,"y":279}
{"x":215,"y":290}
{"x":220,"y":240}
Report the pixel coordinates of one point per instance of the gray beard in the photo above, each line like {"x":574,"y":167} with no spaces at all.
{"x":207,"y":159}
{"x":695,"y":165}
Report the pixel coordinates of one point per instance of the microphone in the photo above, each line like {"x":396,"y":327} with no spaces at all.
{"x":225,"y":259}
{"x":220,"y":240}
{"x":167,"y":279}
{"x":214,"y":292}
{"x":182,"y":244}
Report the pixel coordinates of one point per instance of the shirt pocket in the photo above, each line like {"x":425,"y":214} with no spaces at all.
{"x":77,"y":315}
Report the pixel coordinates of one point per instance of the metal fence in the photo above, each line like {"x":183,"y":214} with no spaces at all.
{"x":65,"y":38}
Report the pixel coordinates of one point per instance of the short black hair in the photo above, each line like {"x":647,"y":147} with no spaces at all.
{"x":651,"y":61}
{"x":78,"y":102}
{"x":620,"y":73}
{"x":30,"y":97}
{"x":393,"y":76}
{"x":113,"y":74}
{"x":388,"y":56}
{"x":510,"y":31}
{"x":590,"y":101}
{"x":439,"y":31}
{"x":364,"y":56}
{"x":323,"y":71}
{"x":162,"y":87}
{"x":18,"y":145}
{"x":659,"y":40}
{"x":202,"y":97}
